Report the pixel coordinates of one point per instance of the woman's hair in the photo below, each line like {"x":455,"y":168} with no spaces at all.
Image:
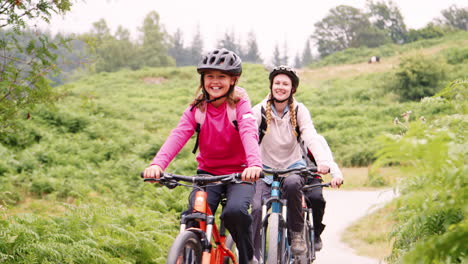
{"x":292,"y":113}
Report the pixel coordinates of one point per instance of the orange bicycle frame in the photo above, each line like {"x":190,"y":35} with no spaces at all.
{"x":217,"y":253}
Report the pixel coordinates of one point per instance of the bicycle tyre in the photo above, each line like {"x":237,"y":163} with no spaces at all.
{"x":274,"y":239}
{"x":309,"y":238}
{"x":186,"y":249}
{"x":231,"y":246}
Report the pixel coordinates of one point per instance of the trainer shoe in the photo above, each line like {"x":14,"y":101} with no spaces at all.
{"x":298,"y":245}
{"x":318,"y":243}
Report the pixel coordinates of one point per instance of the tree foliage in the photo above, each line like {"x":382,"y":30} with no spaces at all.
{"x":26,"y":65}
{"x":346,"y":27}
{"x":386,"y":16}
{"x":307,"y":57}
{"x":230,"y":42}
{"x":252,"y":54}
{"x":455,"y":17}
{"x":154,"y":42}
{"x":196,"y":49}
{"x":277,"y":59}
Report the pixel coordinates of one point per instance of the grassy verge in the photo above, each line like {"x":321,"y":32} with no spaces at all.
{"x":369,"y":236}
{"x":358,"y":178}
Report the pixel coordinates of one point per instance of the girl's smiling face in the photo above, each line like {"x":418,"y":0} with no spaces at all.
{"x":217,"y":83}
{"x":281,"y":87}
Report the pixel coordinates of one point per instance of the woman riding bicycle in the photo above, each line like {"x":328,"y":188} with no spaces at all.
{"x":224,"y":149}
{"x":280,"y":147}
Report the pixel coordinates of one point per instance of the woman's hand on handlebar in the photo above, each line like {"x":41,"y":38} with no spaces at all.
{"x":336,"y":182}
{"x":251,"y":174}
{"x":153,"y":171}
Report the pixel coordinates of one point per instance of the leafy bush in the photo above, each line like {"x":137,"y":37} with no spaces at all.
{"x":418,"y":77}
{"x":456,"y":55}
{"x":432,"y":208}
{"x":428,"y":32}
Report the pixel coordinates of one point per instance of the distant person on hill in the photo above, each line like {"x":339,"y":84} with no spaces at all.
{"x":374,"y":59}
{"x":224,"y":148}
{"x":283,"y":123}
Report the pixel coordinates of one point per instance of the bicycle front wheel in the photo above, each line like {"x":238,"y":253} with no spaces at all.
{"x":309,"y":236}
{"x":186,"y":249}
{"x":274,"y":239}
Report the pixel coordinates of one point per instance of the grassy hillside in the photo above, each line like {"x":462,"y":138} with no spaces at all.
{"x":69,"y":176}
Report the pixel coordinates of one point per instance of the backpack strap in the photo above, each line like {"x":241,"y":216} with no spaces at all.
{"x":306,"y":154}
{"x":263,"y":126}
{"x":232,"y":115}
{"x":200,"y":119}
{"x":298,"y":131}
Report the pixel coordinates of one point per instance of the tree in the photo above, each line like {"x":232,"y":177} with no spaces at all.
{"x":285,"y":59}
{"x":455,"y":17}
{"x":252,"y":54}
{"x":339,"y":29}
{"x":25,"y":66}
{"x":386,"y":16}
{"x":196,"y":49}
{"x":297,"y":62}
{"x":277,"y":60}
{"x":178,"y":51}
{"x":155,"y":42}
{"x":229,"y":42}
{"x":306,"y":55}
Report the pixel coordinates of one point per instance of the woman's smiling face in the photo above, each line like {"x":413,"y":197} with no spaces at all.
{"x":281,"y":87}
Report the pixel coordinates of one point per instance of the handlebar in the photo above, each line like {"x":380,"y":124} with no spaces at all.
{"x":172,"y":180}
{"x":307,"y":187}
{"x":277,"y":172}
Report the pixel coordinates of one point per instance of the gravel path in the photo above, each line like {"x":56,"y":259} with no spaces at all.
{"x":343,"y":208}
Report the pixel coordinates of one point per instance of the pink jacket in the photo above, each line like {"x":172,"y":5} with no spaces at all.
{"x":222,"y":149}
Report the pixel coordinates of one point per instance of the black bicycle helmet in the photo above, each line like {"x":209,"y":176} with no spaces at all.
{"x":282,"y":69}
{"x":223,"y":60}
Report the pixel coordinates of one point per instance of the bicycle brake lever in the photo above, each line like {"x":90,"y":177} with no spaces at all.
{"x":169,"y":183}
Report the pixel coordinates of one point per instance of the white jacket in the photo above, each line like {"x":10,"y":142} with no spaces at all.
{"x":280,"y":148}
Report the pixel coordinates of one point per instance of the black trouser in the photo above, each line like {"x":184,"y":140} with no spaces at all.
{"x":291,"y":187}
{"x":235,"y":215}
{"x":314,"y":199}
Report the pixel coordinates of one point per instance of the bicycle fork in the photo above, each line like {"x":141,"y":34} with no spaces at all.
{"x":207,"y":230}
{"x":278,"y":206}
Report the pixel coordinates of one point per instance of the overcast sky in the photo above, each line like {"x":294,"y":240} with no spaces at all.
{"x":274,"y":22}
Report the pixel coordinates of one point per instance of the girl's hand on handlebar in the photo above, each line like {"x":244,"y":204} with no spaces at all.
{"x":323,"y":169}
{"x":153,"y":171}
{"x":251,"y":174}
{"x":336,"y":182}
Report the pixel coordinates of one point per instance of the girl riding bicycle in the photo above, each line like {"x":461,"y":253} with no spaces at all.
{"x":283,"y":123}
{"x":224,"y":148}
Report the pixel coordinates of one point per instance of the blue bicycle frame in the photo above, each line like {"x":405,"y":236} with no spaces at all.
{"x":277,"y":223}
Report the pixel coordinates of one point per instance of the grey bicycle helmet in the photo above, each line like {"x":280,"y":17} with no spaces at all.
{"x":289,"y":72}
{"x":223,"y":60}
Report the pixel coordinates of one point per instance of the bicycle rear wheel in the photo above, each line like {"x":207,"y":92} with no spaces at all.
{"x":231,"y":246}
{"x":275,"y":239}
{"x":186,"y":249}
